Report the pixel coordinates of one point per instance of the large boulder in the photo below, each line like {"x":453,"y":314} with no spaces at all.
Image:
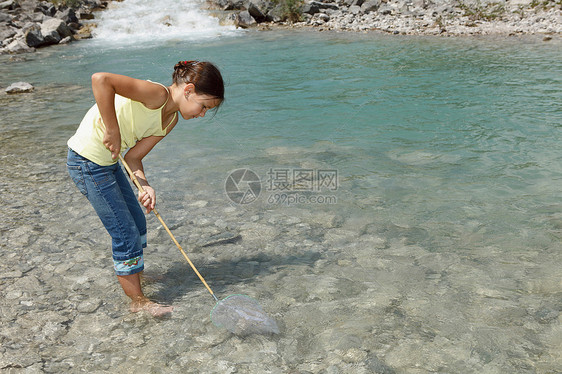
{"x":385,"y":9}
{"x":313,"y":7}
{"x":370,"y":6}
{"x":54,"y":30}
{"x":259,"y":9}
{"x":244,"y":20}
{"x":33,"y":37}
{"x":277,"y":14}
{"x":46,"y":8}
{"x":68,"y":15}
{"x":18,"y":46}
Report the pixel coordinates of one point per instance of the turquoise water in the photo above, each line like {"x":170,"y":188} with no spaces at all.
{"x":445,"y":133}
{"x":446,"y":146}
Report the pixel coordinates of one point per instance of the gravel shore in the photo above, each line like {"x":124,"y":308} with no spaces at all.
{"x":412,"y":17}
{"x":29,"y":24}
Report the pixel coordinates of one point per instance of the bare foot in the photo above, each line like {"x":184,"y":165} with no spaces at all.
{"x":155,"y":309}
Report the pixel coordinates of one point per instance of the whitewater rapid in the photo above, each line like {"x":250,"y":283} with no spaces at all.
{"x":145,"y":22}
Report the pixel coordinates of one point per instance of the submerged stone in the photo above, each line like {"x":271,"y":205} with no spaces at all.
{"x":19,"y":87}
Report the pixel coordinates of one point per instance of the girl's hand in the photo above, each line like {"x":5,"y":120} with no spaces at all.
{"x":148,"y":198}
{"x":112,"y":141}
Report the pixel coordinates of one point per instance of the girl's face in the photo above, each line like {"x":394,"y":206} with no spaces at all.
{"x":195,"y":105}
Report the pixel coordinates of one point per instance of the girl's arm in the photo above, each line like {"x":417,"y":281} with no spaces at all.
{"x":134,"y":158}
{"x":106,"y":85}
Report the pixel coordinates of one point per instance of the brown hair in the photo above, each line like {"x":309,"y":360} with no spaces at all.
{"x":205,"y":76}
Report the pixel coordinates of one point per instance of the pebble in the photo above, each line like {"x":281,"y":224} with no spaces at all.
{"x":89,"y":306}
{"x":199,"y":204}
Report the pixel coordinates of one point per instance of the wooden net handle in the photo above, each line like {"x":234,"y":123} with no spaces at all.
{"x":136,"y":182}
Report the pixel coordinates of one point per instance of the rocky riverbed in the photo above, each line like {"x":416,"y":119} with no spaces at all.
{"x":350,"y":295}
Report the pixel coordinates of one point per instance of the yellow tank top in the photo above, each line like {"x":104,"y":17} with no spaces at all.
{"x":135,"y":122}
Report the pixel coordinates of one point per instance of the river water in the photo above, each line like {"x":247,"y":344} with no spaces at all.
{"x":400,"y":210}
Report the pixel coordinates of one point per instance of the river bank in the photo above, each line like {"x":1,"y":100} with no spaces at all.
{"x":29,"y":24}
{"x":417,"y":17}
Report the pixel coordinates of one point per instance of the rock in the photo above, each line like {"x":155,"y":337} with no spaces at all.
{"x":547,"y":315}
{"x":223,"y":238}
{"x":89,"y":306}
{"x":14,"y":360}
{"x":311,"y":8}
{"x":68,"y":15}
{"x":385,"y":9}
{"x":355,"y":9}
{"x":85,"y":14}
{"x":66,"y":40}
{"x":231,"y":4}
{"x":85,"y":32}
{"x":9,"y":5}
{"x":51,"y":37}
{"x":324,"y":17}
{"x":259,"y":9}
{"x":314,"y":7}
{"x":34,"y":38}
{"x":7,"y":32}
{"x":221,"y":223}
{"x":5,"y":17}
{"x":277,"y":14}
{"x":54,"y":29}
{"x":18,"y":46}
{"x":370,"y":6}
{"x":245,"y":20}
{"x":46,"y":8}
{"x":199,"y":204}
{"x":377,"y":366}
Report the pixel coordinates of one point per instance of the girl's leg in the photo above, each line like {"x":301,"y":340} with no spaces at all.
{"x":131,"y":284}
{"x":132,"y":203}
{"x":100,"y":186}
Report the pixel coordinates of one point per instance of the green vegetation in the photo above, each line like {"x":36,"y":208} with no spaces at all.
{"x":68,"y":3}
{"x":545,"y":4}
{"x":291,"y":9}
{"x":479,"y":12}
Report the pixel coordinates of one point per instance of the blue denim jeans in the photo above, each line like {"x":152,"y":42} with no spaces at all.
{"x":110,"y":193}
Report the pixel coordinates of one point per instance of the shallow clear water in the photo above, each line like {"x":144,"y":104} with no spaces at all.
{"x":436,"y":249}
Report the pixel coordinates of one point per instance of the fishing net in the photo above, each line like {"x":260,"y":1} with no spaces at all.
{"x":239,"y":314}
{"x":242,"y":315}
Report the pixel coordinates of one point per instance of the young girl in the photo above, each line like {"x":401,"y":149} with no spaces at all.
{"x":134,"y":114}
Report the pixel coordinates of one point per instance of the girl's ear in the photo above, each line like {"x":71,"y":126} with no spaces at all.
{"x":189,"y":88}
